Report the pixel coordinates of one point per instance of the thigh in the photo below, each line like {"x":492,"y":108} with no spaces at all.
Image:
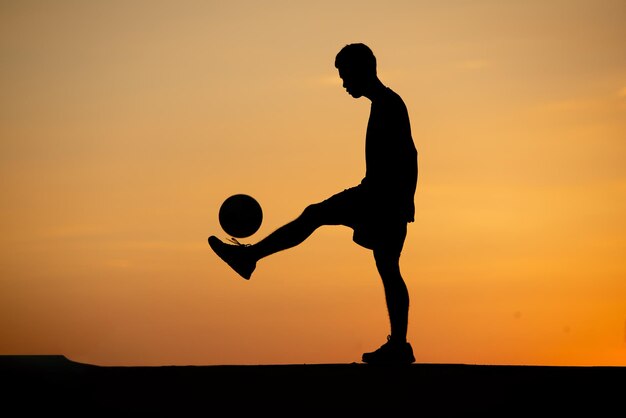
{"x":386,"y":238}
{"x":343,"y":208}
{"x":373,"y":228}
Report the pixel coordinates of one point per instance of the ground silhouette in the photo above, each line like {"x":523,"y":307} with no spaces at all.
{"x":55,"y":384}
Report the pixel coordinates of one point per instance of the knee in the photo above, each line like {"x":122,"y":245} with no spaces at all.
{"x":310,"y":213}
{"x":387,"y":263}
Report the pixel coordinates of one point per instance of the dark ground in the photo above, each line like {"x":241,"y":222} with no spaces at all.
{"x":36,"y":384}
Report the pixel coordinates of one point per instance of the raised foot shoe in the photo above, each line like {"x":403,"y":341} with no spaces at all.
{"x":391,"y":353}
{"x":235,"y":256}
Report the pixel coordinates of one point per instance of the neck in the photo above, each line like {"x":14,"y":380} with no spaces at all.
{"x":375,"y":89}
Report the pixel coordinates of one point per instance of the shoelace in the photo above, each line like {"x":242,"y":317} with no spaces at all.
{"x":234,"y":241}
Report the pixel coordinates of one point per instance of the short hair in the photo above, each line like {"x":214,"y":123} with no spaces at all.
{"x":358,"y":57}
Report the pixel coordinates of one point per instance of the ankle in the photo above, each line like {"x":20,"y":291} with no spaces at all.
{"x":397,"y":340}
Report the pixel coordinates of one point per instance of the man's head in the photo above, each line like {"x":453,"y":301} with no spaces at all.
{"x":357,"y":68}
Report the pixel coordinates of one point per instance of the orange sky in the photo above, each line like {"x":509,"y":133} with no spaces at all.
{"x":125,"y":124}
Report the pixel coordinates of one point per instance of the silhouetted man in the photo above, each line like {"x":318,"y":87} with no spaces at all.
{"x":378,"y":209}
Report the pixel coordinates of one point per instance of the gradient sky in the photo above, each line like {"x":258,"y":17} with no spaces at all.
{"x":125,"y":124}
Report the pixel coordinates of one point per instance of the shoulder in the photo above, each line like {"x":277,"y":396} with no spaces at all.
{"x":391,"y":103}
{"x":391,"y":99}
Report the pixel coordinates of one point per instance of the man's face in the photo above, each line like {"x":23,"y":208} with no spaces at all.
{"x":352,"y":82}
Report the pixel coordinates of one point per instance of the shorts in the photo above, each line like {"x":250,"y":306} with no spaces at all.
{"x":376,"y":226}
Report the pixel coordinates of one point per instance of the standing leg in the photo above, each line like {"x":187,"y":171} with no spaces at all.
{"x":396,"y":294}
{"x":396,"y":350}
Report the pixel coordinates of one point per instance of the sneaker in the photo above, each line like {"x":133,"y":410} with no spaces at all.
{"x":235,"y":256}
{"x":391,"y":353}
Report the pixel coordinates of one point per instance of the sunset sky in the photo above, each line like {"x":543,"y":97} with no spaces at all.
{"x":125,"y":124}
